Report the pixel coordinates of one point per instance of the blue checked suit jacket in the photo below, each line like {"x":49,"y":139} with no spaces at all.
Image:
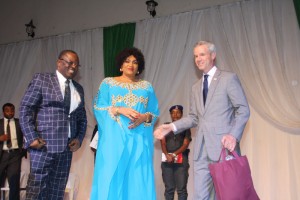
{"x":43,"y":114}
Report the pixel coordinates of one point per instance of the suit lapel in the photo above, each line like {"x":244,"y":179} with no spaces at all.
{"x":200,"y":96}
{"x":1,"y":133}
{"x":55,"y":83}
{"x":212,"y":87}
{"x":59,"y":96}
{"x":1,"y":126}
{"x":18,"y":132}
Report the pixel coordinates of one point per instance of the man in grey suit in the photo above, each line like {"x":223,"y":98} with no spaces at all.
{"x":53,"y":120}
{"x":219,"y":110}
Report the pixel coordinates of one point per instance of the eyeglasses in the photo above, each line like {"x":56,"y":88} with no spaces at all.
{"x":71,"y":63}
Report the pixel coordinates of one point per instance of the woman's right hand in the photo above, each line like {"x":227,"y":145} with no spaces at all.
{"x":128,"y":112}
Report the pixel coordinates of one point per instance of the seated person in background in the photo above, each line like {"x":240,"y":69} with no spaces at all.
{"x":175,"y":165}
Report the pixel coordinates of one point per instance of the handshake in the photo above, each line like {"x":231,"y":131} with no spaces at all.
{"x":161,"y":131}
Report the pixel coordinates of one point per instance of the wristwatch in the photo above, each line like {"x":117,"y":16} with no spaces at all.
{"x":148,"y":118}
{"x":174,"y":155}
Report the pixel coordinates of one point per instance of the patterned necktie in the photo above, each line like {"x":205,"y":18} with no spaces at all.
{"x":8,"y":142}
{"x":205,"y":88}
{"x":67,"y":99}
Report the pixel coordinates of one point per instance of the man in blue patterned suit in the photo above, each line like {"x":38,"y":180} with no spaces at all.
{"x":53,"y":120}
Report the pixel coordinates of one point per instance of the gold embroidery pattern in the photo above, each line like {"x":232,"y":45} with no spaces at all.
{"x":95,"y":103}
{"x":153,"y":119}
{"x":116,"y":118}
{"x":116,"y":99}
{"x":141,"y":84}
{"x":129,"y":99}
{"x":144,"y":101}
{"x":97,"y":108}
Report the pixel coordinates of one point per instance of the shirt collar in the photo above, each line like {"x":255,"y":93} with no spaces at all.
{"x":12,"y":119}
{"x":61,"y":78}
{"x":212,"y":71}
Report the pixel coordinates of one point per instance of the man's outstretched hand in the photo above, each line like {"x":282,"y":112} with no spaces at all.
{"x":161,"y":131}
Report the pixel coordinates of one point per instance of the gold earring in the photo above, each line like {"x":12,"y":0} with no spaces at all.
{"x":121,"y":70}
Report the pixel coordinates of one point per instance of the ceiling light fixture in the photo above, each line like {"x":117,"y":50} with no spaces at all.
{"x":30,"y":29}
{"x":151,"y":4}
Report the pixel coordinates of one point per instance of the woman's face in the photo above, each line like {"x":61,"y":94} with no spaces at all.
{"x":130,"y":66}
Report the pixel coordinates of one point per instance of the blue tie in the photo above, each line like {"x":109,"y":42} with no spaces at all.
{"x":205,"y":88}
{"x":67,"y":99}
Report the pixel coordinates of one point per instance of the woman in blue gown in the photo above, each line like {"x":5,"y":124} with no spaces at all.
{"x":126,"y":109}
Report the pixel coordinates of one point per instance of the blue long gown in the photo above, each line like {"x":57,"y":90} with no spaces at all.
{"x":124,"y":161}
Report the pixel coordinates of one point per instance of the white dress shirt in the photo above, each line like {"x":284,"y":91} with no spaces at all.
{"x":210,"y":74}
{"x":75,"y":97}
{"x":13,"y":134}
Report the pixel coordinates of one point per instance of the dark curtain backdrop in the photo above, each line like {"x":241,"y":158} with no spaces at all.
{"x":115,"y":39}
{"x":297,"y":8}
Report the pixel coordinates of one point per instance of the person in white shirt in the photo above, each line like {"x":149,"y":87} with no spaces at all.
{"x":11,"y":151}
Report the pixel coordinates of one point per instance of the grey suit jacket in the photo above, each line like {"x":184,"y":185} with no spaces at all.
{"x":226,"y":112}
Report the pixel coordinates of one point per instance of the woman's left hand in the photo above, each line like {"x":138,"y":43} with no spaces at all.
{"x":139,"y":119}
